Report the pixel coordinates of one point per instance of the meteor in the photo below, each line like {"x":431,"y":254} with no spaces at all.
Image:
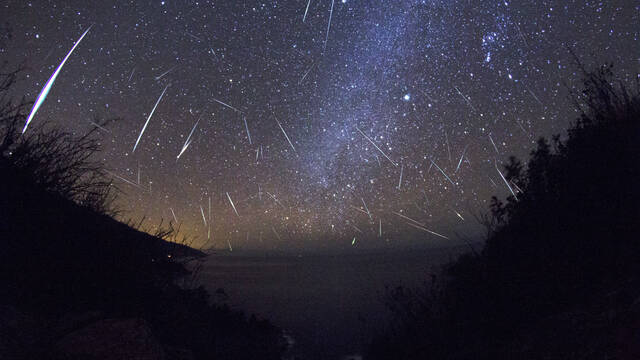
{"x":164,"y":73}
{"x":505,"y":180}
{"x":445,"y":175}
{"x":203,"y":218}
{"x":366,"y":208}
{"x":47,"y":87}
{"x":494,"y":145}
{"x":149,"y":118}
{"x":174,"y":215}
{"x":376,"y":146}
{"x":232,"y":205}
{"x":328,"y":27}
{"x":306,"y":11}
{"x":227,"y":105}
{"x":465,"y":98}
{"x":427,"y":230}
{"x":285,"y":134}
{"x":188,"y":141}
{"x":247,"y":127}
{"x":461,"y":156}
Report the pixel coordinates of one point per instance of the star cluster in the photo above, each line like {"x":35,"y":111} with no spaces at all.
{"x":319,"y":123}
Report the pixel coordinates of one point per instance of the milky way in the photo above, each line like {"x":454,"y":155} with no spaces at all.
{"x":279,"y":129}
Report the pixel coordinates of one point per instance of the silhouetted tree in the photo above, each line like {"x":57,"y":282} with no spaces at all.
{"x":568,"y":240}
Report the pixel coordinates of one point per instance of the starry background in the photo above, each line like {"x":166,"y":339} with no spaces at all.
{"x":446,"y":90}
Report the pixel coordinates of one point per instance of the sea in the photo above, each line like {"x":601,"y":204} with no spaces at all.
{"x":329,"y":306}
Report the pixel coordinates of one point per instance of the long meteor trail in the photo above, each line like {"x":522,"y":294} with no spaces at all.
{"x":328,"y":27}
{"x":376,"y":146}
{"x":47,"y":87}
{"x":188,"y":141}
{"x":306,"y":11}
{"x":227,"y":105}
{"x":149,"y":118}
{"x":232,"y":205}
{"x":285,"y":134}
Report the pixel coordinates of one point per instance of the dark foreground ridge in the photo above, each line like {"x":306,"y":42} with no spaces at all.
{"x":77,"y":284}
{"x":559,"y":276}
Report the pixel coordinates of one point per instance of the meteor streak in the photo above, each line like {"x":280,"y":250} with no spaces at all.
{"x":227,"y":105}
{"x":366,"y":208}
{"x":188,"y":141}
{"x":306,"y":11}
{"x":376,"y":146}
{"x":164,"y":73}
{"x":505,"y":180}
{"x":232,"y":205}
{"x":285,"y":134}
{"x":174,"y":215}
{"x":149,"y":118}
{"x":203,"y":218}
{"x":494,"y":145}
{"x":247,"y":127}
{"x":461,"y":157}
{"x":328,"y":26}
{"x":427,"y":230}
{"x":47,"y":87}
{"x":445,"y":175}
{"x":465,"y":99}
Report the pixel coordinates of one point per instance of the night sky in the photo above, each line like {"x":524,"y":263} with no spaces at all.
{"x":379,"y":121}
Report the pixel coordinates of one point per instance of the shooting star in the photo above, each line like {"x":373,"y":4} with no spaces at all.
{"x":505,"y":180}
{"x":47,"y":87}
{"x":98,"y":126}
{"x":193,"y":36}
{"x":131,"y":76}
{"x":366,"y":208}
{"x":285,"y":134}
{"x":461,"y":157}
{"x":427,"y":230}
{"x":164,"y":73}
{"x":457,"y":213}
{"x":188,"y":141}
{"x":227,"y":105}
{"x":328,"y":27}
{"x":306,"y":11}
{"x":465,"y":99}
{"x":149,"y":118}
{"x":276,"y":200}
{"x":247,"y":128}
{"x":408,"y":218}
{"x":306,"y":73}
{"x":203,"y":218}
{"x":353,"y":242}
{"x":174,"y":215}
{"x":232,"y":205}
{"x":376,"y":146}
{"x":445,"y":175}
{"x":494,"y":145}
{"x":123,"y":179}
{"x":401,"y":171}
{"x":448,"y":147}
{"x":534,"y":96}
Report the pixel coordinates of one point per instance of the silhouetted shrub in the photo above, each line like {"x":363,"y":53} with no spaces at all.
{"x":568,"y":241}
{"x":62,"y":252}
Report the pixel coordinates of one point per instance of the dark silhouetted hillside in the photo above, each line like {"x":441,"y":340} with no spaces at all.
{"x":559,"y":276}
{"x":77,"y":284}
